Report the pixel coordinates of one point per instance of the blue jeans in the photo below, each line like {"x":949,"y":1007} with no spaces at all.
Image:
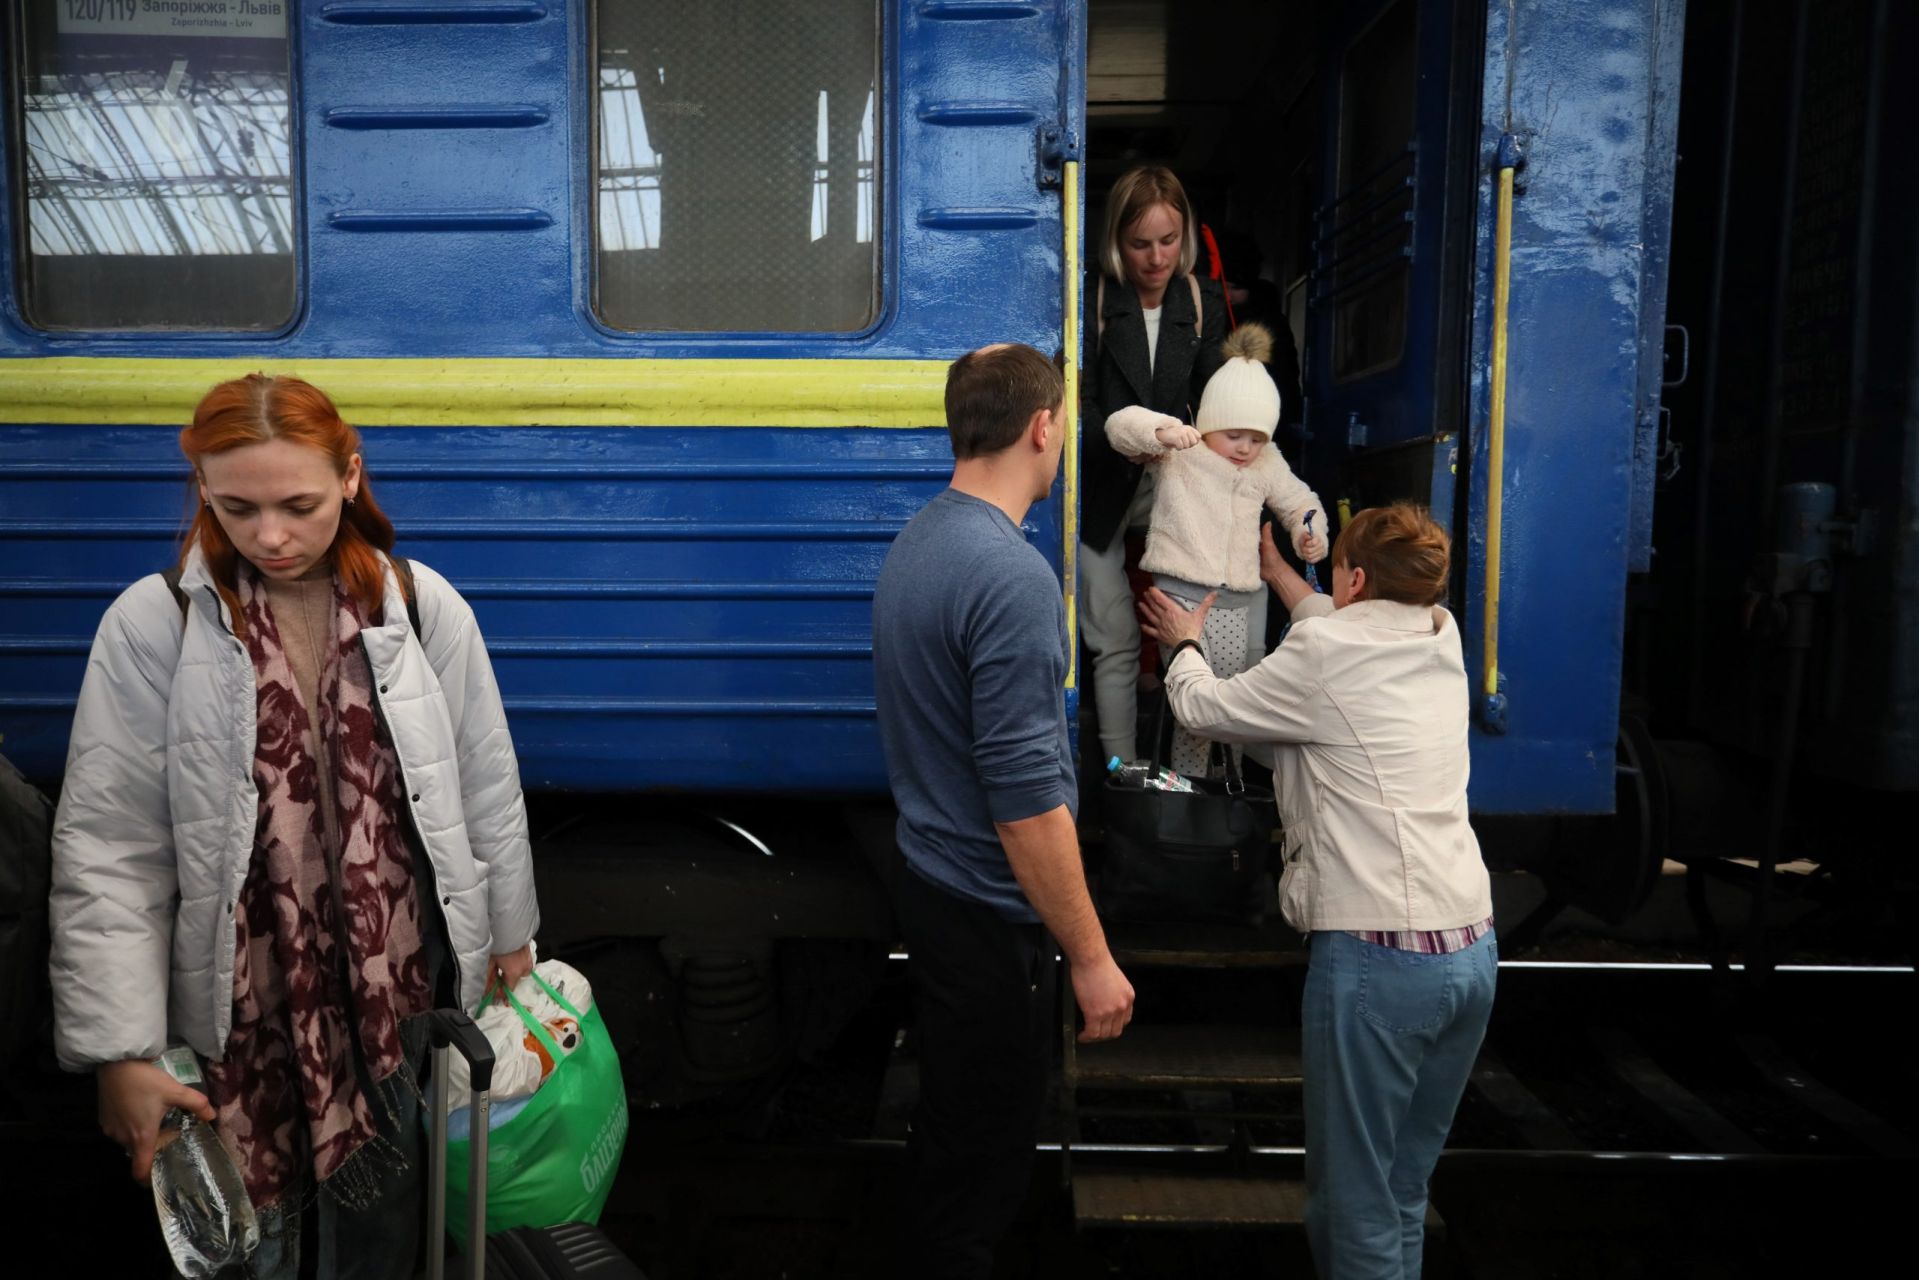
{"x":1388,"y":1043}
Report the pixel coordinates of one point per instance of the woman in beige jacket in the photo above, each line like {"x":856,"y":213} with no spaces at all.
{"x":1364,"y":713}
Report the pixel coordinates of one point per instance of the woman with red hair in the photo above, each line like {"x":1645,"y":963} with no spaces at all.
{"x":291,"y":813}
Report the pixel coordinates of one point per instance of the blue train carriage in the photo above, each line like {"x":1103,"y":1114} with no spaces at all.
{"x":646,"y":306}
{"x":645,"y":310}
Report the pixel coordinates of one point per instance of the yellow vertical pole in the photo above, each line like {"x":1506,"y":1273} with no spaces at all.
{"x":1496,"y":426}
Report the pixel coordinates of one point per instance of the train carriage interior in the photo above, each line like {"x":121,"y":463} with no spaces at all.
{"x":1327,"y":149}
{"x":1334,"y":147}
{"x":1320,"y":144}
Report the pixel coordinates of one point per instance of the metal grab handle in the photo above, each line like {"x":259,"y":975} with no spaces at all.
{"x":1492,"y":704}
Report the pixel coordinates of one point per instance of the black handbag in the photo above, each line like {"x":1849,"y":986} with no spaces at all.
{"x":1180,"y":856}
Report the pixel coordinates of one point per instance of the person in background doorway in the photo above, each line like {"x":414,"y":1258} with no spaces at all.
{"x":1256,"y":300}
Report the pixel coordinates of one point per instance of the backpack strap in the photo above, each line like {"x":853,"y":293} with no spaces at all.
{"x":403,"y":571}
{"x":172,"y":578}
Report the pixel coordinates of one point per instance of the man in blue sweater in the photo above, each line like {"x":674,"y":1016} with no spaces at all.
{"x":970,"y":656}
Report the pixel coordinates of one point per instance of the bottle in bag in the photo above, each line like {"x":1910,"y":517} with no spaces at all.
{"x":206,"y":1216}
{"x":1133,"y":773}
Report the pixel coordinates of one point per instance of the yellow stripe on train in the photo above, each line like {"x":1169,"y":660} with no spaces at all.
{"x":507,"y":392}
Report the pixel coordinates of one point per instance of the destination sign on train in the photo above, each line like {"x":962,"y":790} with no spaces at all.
{"x":216,"y":18}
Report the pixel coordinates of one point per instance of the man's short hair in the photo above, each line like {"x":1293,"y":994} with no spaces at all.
{"x":992,"y":393}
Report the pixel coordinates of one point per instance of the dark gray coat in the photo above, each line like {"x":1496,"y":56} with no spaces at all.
{"x":1118,"y":374}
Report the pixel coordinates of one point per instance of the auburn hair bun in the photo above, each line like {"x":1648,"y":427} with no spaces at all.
{"x":1407,"y":556}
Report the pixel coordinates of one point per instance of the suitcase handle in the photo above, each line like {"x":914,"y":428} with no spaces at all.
{"x":450,"y":1028}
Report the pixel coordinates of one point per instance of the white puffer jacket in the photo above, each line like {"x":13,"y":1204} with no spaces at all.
{"x":155,"y":827}
{"x":1205,"y":525}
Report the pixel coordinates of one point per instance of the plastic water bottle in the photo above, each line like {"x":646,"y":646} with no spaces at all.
{"x":1135,"y":773}
{"x":1167,"y":780}
{"x":205,"y":1214}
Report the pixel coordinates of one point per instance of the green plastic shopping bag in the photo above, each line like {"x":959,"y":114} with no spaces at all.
{"x":554,"y":1161}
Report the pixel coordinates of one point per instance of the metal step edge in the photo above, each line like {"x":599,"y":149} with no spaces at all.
{"x":1182,"y":958}
{"x":1160,"y":1199}
{"x":1159,"y":1057}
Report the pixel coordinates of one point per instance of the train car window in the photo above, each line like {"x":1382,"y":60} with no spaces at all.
{"x":1365,"y":236}
{"x":737,"y":165}
{"x":153,"y":180}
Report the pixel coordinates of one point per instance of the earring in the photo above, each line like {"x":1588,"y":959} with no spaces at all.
{"x":207,"y":505}
{"x":349,"y":504}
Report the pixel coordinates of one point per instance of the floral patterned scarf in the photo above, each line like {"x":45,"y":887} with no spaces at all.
{"x":327,"y":956}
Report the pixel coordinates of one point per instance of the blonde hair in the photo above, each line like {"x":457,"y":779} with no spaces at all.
{"x":1137,"y":191}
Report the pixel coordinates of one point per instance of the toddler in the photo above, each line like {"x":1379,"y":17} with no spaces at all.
{"x":1206,"y":502}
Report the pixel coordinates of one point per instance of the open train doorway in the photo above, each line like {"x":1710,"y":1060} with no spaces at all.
{"x":1328,"y":148}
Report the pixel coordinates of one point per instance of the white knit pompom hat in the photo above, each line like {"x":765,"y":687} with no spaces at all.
{"x":1241,"y":395}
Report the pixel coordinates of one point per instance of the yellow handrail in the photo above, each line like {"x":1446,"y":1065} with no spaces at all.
{"x":1496,"y":426}
{"x":1069,"y":458}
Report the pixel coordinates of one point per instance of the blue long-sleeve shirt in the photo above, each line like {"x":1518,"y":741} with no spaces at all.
{"x":969,"y":659}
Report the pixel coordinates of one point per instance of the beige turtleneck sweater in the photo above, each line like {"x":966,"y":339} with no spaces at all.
{"x":303,"y":611}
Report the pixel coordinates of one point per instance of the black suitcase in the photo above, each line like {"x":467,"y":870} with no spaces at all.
{"x":524,"y":1253}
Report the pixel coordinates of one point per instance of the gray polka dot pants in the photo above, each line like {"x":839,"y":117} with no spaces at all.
{"x":1227,"y":652}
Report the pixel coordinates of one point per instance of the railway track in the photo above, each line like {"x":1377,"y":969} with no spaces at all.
{"x":1621,"y":1122}
{"x":1611,"y":1103}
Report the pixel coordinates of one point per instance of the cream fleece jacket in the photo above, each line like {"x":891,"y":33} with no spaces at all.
{"x":1205,"y":526}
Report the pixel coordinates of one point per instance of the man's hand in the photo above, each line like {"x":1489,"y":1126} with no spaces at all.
{"x":1105,"y":999}
{"x":135,"y":1097}
{"x":504,"y":972}
{"x":1177,"y":435}
{"x":1043,"y":851}
{"x":1166,"y":620}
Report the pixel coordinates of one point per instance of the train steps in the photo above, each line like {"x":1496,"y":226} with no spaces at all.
{"x":1148,"y":1198}
{"x":1172,"y":1126}
{"x":1273,"y":945}
{"x":1161,"y":1056}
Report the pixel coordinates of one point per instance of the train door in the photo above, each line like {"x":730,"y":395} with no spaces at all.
{"x":1388,"y":232}
{"x":1420,"y":106}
